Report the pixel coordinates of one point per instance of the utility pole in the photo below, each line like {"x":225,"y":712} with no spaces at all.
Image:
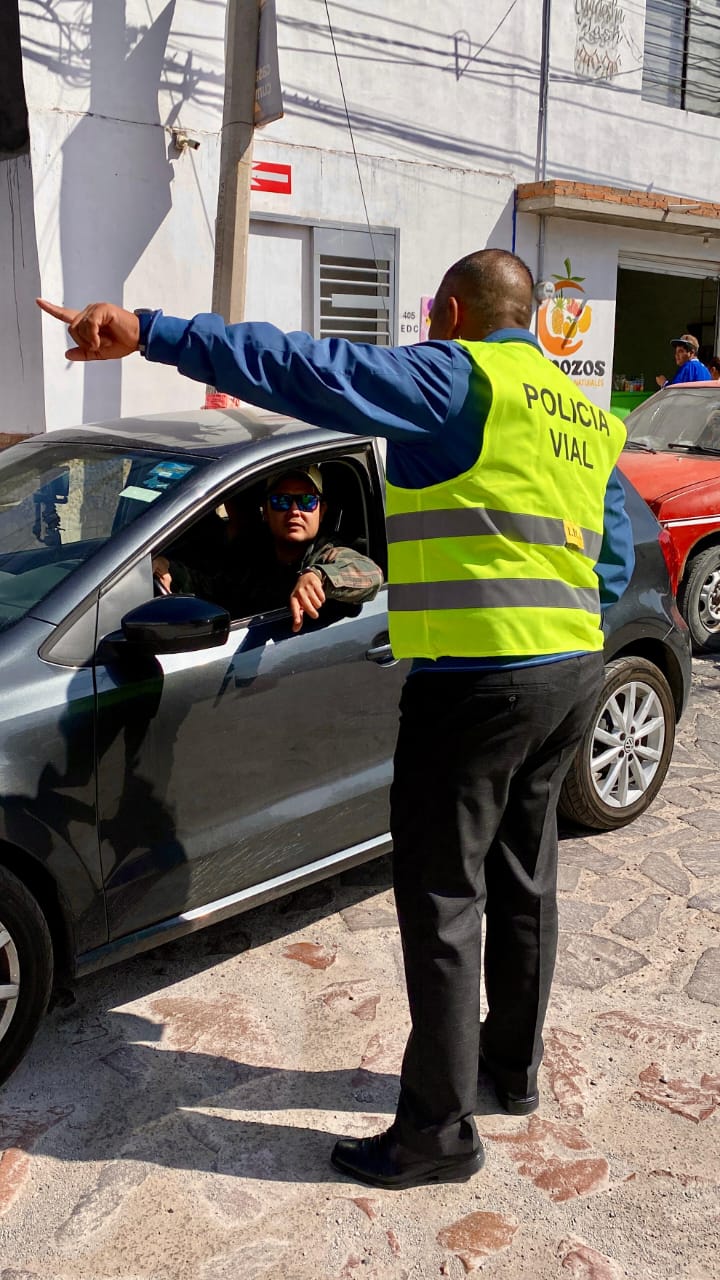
{"x":542,"y":130}
{"x":233,"y":210}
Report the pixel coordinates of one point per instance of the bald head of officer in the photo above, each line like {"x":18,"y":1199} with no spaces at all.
{"x":483,"y":292}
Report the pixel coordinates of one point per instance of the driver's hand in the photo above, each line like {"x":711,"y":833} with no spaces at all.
{"x":661,"y":380}
{"x":307,"y":597}
{"x":161,"y":571}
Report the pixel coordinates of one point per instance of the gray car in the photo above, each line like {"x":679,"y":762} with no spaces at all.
{"x":164,"y":766}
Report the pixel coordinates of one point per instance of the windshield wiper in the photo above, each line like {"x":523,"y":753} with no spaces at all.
{"x":638,"y":444}
{"x":692,"y":448}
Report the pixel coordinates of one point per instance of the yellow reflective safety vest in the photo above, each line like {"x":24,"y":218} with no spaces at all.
{"x":500,"y":561}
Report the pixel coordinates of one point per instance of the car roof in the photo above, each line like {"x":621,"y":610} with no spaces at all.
{"x":678,"y":386}
{"x":208,"y":433}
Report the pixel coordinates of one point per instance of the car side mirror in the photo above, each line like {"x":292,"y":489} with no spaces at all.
{"x":175,"y":624}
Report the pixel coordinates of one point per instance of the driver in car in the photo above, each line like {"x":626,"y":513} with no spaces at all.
{"x":293,"y":563}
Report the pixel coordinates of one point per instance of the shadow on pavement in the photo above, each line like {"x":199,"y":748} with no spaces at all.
{"x":135,"y":1100}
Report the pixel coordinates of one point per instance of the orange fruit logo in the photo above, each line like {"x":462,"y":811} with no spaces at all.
{"x":563,"y":320}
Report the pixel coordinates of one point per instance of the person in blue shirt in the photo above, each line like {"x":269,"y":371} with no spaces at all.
{"x":689,"y":368}
{"x":484,"y":742}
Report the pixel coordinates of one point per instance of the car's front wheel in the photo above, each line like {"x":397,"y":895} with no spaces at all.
{"x":26,"y":969}
{"x":624,"y":755}
{"x":699,"y":599}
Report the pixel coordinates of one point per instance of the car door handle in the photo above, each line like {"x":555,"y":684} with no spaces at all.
{"x":382,"y":654}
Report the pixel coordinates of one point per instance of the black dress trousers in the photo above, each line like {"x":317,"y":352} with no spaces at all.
{"x":479,"y":763}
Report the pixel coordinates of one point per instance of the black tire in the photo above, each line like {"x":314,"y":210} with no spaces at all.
{"x":26,"y":963}
{"x":699,"y":600}
{"x":581,"y":801}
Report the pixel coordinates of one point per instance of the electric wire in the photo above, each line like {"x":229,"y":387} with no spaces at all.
{"x":352,"y":136}
{"x":481,"y":48}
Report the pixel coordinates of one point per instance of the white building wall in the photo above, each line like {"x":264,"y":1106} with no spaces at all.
{"x":119,"y":215}
{"x":443,"y":101}
{"x":21,"y":354}
{"x":458,"y":84}
{"x":442,"y":214}
{"x":600,"y":129}
{"x":454,"y":84}
{"x":440,"y":142}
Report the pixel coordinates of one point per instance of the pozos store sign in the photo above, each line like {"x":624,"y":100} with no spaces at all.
{"x":565,"y":330}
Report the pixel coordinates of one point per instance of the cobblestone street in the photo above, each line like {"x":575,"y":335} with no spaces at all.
{"x":175,"y":1116}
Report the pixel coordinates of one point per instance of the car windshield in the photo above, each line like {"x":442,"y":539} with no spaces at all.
{"x":60,"y":503}
{"x":682,"y":418}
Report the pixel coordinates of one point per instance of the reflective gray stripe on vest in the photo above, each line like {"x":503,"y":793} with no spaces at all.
{"x":492,"y":593}
{"x":469,"y":522}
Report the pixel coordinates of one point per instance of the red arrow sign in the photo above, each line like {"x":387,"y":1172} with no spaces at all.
{"x":280,"y":181}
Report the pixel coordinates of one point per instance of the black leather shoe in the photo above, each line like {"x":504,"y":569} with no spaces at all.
{"x":381,"y":1161}
{"x":516,"y":1104}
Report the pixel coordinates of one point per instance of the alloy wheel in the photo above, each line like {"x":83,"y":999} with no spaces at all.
{"x":709,"y":601}
{"x":9,"y":979}
{"x":627,"y":744}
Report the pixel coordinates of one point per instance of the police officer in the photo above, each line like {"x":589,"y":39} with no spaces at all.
{"x":507,"y":536}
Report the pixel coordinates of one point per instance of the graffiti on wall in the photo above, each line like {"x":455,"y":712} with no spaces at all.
{"x":600,"y":30}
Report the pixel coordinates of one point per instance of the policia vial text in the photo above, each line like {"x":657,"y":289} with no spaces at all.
{"x":566,"y":445}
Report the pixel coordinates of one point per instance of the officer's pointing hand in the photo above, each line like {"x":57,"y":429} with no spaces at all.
{"x":101,"y":331}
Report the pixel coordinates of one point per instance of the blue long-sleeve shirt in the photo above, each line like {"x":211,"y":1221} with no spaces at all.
{"x":691,"y":371}
{"x":416,"y":397}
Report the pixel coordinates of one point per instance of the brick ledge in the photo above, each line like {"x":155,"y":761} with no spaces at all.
{"x":618,"y":205}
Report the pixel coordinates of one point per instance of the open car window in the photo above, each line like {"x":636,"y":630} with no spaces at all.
{"x":59,"y":504}
{"x":221,"y":556}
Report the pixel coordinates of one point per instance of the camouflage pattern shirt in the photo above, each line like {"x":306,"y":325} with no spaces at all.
{"x":264,"y":582}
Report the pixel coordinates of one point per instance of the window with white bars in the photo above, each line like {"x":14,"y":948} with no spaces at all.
{"x":331,"y":281}
{"x":681,"y":66}
{"x":354,"y":285}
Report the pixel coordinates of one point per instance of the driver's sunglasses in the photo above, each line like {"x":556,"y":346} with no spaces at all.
{"x":284,"y":501}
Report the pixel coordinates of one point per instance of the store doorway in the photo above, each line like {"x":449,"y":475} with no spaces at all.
{"x":655,"y":303}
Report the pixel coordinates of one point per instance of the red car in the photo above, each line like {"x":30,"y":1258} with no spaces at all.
{"x":672,"y":457}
